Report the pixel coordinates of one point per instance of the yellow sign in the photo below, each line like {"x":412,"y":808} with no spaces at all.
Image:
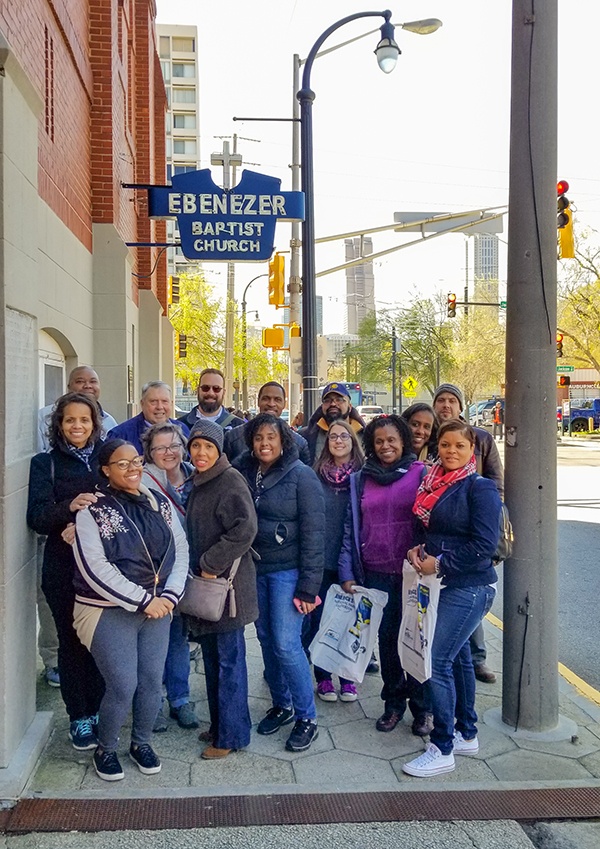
{"x":410,"y":385}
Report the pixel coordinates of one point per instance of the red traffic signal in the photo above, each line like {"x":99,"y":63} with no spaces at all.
{"x":451,"y":305}
{"x":562,"y":187}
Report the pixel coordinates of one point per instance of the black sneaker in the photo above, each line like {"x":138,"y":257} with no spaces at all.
{"x":82,"y":733}
{"x":107,"y":765}
{"x":303,"y":733}
{"x":275,"y":718}
{"x":146,"y":758}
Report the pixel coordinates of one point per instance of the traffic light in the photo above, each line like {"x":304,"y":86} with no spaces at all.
{"x":564,"y":380}
{"x":277,"y":280}
{"x":272,"y":337}
{"x":181,"y":351}
{"x":451,"y":305}
{"x":294,"y":330}
{"x":173,"y":290}
{"x":564,"y":222}
{"x":559,"y":344}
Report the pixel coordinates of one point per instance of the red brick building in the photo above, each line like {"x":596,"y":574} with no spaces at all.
{"x":82,"y":107}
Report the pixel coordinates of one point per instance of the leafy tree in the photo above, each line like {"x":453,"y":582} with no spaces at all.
{"x":579,"y":306}
{"x":478,"y":350}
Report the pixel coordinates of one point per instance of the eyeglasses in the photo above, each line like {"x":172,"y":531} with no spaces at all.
{"x":333,"y":399}
{"x":123,"y":465}
{"x":335,"y":437}
{"x":206,"y":388}
{"x":173,"y":448}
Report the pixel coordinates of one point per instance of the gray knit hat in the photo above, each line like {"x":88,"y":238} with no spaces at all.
{"x":453,"y":390}
{"x":207,"y":430}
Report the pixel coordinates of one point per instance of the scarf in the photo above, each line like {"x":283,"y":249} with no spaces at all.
{"x":386,"y":475}
{"x":82,"y":454}
{"x":435,"y":483}
{"x":337,"y":477}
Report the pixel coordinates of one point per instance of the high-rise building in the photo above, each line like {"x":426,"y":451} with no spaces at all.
{"x":360,"y":283}
{"x":485,"y":267}
{"x":178,"y":52}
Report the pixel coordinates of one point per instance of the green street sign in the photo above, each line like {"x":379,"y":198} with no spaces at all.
{"x":502,"y":305}
{"x":564,"y":369}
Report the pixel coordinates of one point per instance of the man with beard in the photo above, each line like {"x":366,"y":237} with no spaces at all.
{"x":335,"y":404}
{"x":211,"y":387}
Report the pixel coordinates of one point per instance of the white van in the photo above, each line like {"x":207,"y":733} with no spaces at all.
{"x":369,"y":412}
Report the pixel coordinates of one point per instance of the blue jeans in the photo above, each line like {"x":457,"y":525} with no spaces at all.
{"x":452,"y":683}
{"x":227,"y":688}
{"x":176,"y":676}
{"x":279,"y":631}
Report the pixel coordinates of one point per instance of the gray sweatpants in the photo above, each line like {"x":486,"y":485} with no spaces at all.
{"x":130,"y":651}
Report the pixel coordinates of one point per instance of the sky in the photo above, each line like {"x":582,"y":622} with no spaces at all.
{"x":431,"y":136}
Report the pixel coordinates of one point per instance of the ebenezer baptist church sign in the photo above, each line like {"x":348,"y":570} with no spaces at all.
{"x":236,"y":224}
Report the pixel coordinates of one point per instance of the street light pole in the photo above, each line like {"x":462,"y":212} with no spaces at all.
{"x":245,"y":344}
{"x":309,"y":298}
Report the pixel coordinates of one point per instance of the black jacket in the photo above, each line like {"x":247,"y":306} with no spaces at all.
{"x":235,"y":444}
{"x":291,"y":520}
{"x":225,"y":419}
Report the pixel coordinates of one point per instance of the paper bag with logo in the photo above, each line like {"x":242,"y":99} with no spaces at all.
{"x":420,"y":597}
{"x":348,"y":631}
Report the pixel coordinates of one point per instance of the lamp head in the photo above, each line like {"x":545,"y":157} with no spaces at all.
{"x":387,"y":51}
{"x":424,"y":27}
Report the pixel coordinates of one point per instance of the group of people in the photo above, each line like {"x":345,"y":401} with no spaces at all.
{"x":129,"y":509}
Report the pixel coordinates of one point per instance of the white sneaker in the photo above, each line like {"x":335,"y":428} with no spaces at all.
{"x":431,"y":762}
{"x":465,"y":747}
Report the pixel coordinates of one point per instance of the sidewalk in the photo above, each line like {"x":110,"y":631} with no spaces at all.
{"x":349,"y":755}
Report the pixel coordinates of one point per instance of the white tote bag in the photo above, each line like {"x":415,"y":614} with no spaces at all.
{"x":346,"y":637}
{"x":420,"y":597}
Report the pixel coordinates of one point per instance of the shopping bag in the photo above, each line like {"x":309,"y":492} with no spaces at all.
{"x":348,"y":632}
{"x":420,"y":597}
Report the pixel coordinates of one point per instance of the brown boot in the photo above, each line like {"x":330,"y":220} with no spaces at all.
{"x":485,"y":674}
{"x":211,"y":753}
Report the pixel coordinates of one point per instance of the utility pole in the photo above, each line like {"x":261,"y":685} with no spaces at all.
{"x":295,"y":354}
{"x":230,"y":161}
{"x":530,"y":656}
{"x":394,"y":349}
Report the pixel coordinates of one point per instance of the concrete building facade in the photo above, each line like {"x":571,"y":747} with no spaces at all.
{"x":82,"y":106}
{"x":360,"y":283}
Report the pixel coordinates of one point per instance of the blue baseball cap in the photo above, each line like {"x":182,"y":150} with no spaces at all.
{"x":338,"y":388}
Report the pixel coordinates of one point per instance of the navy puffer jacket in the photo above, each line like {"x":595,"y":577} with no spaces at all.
{"x":291,"y":519}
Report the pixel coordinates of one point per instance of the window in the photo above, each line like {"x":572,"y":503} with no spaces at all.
{"x":182,"y":121}
{"x":183,"y":169}
{"x":184,"y":69}
{"x":184,"y":95}
{"x":168,"y":93}
{"x":166,"y":71}
{"x":168,"y":122}
{"x":169,"y":147}
{"x":164,"y":47}
{"x":185,"y":146}
{"x":183,"y":45}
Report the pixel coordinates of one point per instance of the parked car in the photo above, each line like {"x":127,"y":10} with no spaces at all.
{"x":369,"y":412}
{"x":581,"y":411}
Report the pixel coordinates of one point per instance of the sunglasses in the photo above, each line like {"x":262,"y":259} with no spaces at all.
{"x":137,"y":463}
{"x":206,"y":388}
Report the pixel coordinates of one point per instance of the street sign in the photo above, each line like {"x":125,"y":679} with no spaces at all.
{"x":564,"y":369}
{"x":502,"y":305}
{"x":410,"y":385}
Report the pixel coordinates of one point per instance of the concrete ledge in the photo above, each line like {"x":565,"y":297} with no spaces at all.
{"x":15,"y":776}
{"x":565,"y":729}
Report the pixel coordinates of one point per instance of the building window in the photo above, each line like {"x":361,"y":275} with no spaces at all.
{"x":168,"y":93}
{"x":184,"y":45}
{"x":185,"y":146}
{"x":169,"y":147}
{"x":183,"y":169}
{"x":49,"y":84}
{"x":166,"y":70}
{"x":184,"y":69}
{"x":168,"y":122}
{"x":181,"y":121}
{"x":184,"y":95}
{"x":164,"y":47}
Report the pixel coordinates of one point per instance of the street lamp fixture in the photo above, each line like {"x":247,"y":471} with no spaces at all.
{"x":387,"y":53}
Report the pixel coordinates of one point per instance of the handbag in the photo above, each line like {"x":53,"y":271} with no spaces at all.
{"x":204,"y":598}
{"x":420,"y":597}
{"x":348,"y":631}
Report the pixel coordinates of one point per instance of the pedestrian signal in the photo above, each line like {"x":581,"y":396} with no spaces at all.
{"x":277,"y":280}
{"x":564,"y":380}
{"x":181,"y":346}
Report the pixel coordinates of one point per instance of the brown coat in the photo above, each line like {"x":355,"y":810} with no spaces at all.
{"x":221,"y":526}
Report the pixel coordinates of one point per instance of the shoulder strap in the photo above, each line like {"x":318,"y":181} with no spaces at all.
{"x":165,"y":492}
{"x":228,"y":418}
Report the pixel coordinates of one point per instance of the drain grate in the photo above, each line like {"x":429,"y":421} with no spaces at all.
{"x":31,"y":815}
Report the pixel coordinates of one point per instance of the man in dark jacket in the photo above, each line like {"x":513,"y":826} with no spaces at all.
{"x":448,"y":404}
{"x":271,"y":399}
{"x":335,"y":404}
{"x":156,"y":404}
{"x":211,"y":386}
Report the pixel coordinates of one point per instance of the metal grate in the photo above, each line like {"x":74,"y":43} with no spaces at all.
{"x":31,"y":815}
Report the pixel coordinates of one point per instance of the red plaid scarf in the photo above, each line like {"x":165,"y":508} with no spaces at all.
{"x":434,"y":485}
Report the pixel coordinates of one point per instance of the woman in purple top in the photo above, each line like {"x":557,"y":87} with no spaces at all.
{"x":380,"y":528}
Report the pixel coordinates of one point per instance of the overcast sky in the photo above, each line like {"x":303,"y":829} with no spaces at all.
{"x":433,"y":135}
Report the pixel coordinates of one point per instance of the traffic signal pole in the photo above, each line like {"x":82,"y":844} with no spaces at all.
{"x":530,"y":653}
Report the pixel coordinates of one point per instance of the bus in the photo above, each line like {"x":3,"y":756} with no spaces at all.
{"x":355,"y":390}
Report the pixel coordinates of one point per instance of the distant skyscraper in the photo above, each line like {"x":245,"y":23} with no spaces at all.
{"x":360,"y":283}
{"x":178,"y":51}
{"x":485,"y":267}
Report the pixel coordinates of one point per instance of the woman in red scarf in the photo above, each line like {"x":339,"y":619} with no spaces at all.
{"x":459,"y":512}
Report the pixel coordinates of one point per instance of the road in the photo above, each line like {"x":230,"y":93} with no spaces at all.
{"x":579,"y":561}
